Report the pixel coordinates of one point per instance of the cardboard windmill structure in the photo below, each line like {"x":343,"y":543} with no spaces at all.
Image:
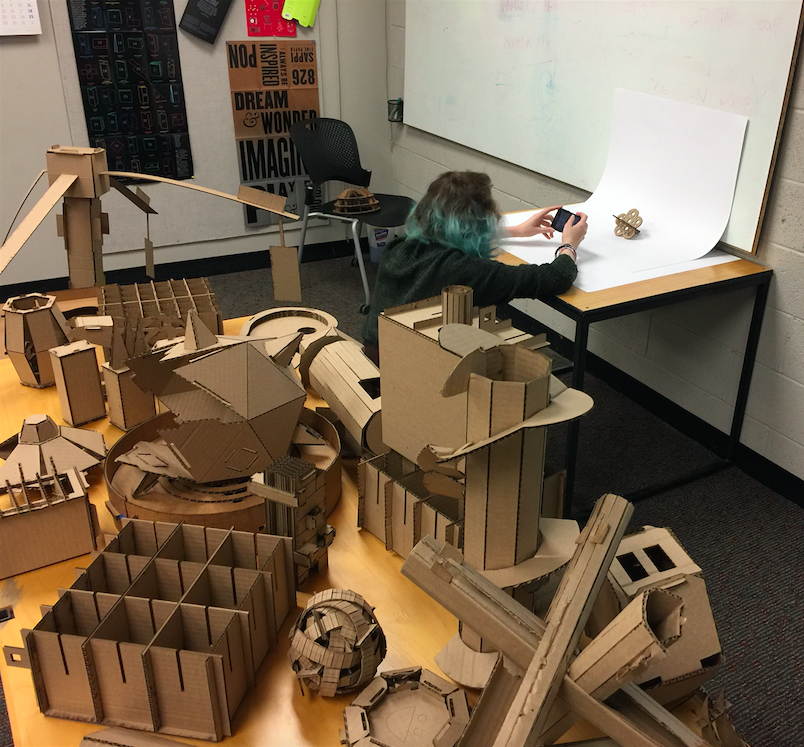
{"x":81,"y":177}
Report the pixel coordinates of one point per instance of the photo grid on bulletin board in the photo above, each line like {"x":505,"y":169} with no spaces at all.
{"x":129,"y":73}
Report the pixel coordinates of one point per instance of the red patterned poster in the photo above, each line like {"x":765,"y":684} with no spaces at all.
{"x":264,"y":18}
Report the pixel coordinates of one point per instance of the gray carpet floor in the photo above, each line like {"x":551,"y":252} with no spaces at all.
{"x":747,"y":539}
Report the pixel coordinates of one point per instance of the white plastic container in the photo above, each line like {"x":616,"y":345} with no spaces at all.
{"x":378,"y":239}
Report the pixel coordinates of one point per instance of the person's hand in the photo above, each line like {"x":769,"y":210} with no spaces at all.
{"x":574,"y":233}
{"x":538,"y":223}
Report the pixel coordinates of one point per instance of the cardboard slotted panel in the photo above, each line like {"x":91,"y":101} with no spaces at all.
{"x":37,"y":538}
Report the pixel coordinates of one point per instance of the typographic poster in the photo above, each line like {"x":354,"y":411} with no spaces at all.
{"x":273,"y":84}
{"x":130,"y":76}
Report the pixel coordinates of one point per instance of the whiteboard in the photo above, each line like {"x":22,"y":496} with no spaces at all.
{"x":532,"y":82}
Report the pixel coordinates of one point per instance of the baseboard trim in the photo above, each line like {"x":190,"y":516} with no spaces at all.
{"x":754,"y":465}
{"x":191,"y":268}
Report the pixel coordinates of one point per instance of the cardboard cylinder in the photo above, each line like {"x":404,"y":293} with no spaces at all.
{"x":456,"y":304}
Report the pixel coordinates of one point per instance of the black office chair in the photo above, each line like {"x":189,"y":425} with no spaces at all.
{"x":329,"y":151}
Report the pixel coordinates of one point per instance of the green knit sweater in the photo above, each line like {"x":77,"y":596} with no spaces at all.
{"x":411,"y":270}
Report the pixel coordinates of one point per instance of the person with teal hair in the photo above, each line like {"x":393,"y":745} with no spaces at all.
{"x":451,"y":238}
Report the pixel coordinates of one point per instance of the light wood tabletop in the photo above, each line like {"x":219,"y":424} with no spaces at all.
{"x":275,"y":712}
{"x":675,"y":282}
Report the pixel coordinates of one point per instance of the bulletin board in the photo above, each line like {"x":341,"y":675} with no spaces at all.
{"x":533,"y":82}
{"x":184,"y":216}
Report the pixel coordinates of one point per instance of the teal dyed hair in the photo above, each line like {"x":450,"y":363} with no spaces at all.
{"x":458,"y":212}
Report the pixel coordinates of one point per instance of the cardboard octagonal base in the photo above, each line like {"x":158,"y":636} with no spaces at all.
{"x":224,"y":506}
{"x":406,"y":708}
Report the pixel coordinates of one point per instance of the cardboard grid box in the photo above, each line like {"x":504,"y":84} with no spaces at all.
{"x":171,"y":298}
{"x":164,"y":631}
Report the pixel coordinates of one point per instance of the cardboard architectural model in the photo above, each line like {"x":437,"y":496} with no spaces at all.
{"x":336,"y":643}
{"x":295,"y":494}
{"x":81,"y":176}
{"x":334,"y":365}
{"x":131,"y":319}
{"x":406,"y":706}
{"x":311,"y":324}
{"x":75,"y":368}
{"x":145,"y":313}
{"x":538,"y":681}
{"x":338,"y":370}
{"x":33,"y":325}
{"x":43,"y":449}
{"x":221,"y":457}
{"x":653,"y":558}
{"x":501,"y":397}
{"x":164,"y":631}
{"x":44,"y":522}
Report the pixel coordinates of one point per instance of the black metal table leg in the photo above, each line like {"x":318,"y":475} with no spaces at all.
{"x":760,"y":301}
{"x":573,"y":430}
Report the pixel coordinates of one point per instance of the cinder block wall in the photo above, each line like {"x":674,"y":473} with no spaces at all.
{"x":691,"y":353}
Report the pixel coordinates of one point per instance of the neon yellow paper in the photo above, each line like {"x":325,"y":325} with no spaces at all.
{"x":303,"y":11}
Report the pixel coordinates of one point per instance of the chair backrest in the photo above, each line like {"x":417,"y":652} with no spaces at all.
{"x":329,"y":151}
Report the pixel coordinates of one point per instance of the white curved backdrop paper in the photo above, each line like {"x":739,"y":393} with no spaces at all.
{"x":533,"y":82}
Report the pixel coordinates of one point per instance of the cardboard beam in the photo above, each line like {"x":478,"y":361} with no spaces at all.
{"x":31,"y":221}
{"x":214,"y":192}
{"x":137,"y":198}
{"x":515,"y":632}
{"x":565,"y":620}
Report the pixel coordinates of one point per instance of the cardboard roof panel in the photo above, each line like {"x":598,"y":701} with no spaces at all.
{"x":275,"y":429}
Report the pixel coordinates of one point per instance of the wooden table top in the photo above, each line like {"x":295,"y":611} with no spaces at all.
{"x":275,"y":712}
{"x":643,"y":289}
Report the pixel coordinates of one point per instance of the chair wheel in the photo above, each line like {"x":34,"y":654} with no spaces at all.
{"x":354,"y":262}
{"x":364,"y":308}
